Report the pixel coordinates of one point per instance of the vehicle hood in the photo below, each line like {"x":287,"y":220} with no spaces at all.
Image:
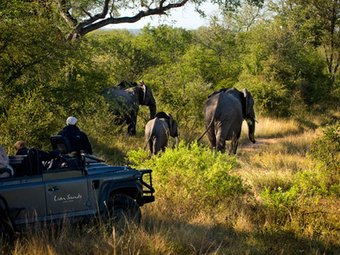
{"x":97,"y":169}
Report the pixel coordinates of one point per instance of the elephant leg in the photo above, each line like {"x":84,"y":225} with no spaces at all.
{"x":164,"y":146}
{"x":234,"y":144}
{"x":131,"y":129}
{"x":220,"y":141}
{"x":132,"y":125}
{"x":156,"y":146}
{"x":211,"y":136}
{"x":151,"y":146}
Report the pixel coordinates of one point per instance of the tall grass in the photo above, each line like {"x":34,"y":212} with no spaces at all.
{"x":282,"y":204}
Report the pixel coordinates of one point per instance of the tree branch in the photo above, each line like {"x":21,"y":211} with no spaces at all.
{"x":101,"y":20}
{"x":64,"y":11}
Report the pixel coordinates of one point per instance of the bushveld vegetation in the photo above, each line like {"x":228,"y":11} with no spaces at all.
{"x":279,"y":198}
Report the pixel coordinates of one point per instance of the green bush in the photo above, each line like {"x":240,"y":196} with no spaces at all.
{"x":271,"y":98}
{"x":326,"y":148}
{"x":28,"y":118}
{"x":280,"y":204}
{"x":191,"y":174}
{"x":326,"y":155}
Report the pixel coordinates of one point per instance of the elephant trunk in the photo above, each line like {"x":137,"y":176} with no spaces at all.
{"x":152,"y":111}
{"x":251,"y":129}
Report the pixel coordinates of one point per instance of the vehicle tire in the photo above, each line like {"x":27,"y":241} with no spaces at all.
{"x":124,"y":210}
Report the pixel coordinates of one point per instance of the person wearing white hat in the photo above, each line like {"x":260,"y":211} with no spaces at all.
{"x":78,"y":139}
{"x":71,"y":121}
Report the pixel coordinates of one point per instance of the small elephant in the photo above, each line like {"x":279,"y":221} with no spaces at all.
{"x":224,"y":112}
{"x":125,"y":102}
{"x":157,"y":132}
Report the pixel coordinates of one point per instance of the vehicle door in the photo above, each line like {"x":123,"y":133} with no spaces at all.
{"x":25,"y":197}
{"x":66,"y":191}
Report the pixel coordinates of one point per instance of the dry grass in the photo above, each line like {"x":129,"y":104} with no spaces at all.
{"x":244,"y":226}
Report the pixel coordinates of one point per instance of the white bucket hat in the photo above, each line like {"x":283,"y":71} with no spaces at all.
{"x":71,"y":121}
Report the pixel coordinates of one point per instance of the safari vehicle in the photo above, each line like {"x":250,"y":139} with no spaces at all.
{"x":78,"y":187}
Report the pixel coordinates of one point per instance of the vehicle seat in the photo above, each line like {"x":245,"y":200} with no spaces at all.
{"x":19,"y":164}
{"x":62,"y":144}
{"x":33,"y":161}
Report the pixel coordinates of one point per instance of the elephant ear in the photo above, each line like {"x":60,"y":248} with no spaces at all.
{"x":173,"y":126}
{"x":144,"y":89}
{"x":147,"y":98}
{"x":249,"y":103}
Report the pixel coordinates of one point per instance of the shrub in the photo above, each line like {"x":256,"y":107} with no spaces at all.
{"x":29,"y":118}
{"x":326,"y":156}
{"x":280,"y":205}
{"x":326,"y":148}
{"x":191,"y":174}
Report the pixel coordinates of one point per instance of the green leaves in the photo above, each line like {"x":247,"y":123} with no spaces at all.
{"x":192,"y":173}
{"x":29,"y":119}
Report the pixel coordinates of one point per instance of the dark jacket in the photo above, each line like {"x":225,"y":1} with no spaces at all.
{"x":78,"y":140}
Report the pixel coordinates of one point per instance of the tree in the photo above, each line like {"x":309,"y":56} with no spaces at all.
{"x":85,"y":16}
{"x":32,"y":48}
{"x":319,"y":22}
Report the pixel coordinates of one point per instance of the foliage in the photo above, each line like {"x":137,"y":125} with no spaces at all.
{"x":326,"y":151}
{"x":280,"y":204}
{"x":120,"y":56}
{"x":272,"y":99}
{"x":29,"y":119}
{"x":196,"y":175}
{"x":32,"y":49}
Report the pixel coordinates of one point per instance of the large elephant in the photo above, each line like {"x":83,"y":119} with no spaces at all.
{"x":224,"y":112}
{"x":125,"y":103}
{"x":157,"y":132}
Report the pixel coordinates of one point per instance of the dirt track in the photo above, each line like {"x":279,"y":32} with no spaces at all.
{"x":260,"y":142}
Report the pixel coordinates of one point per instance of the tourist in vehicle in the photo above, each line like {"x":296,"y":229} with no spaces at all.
{"x":4,"y":163}
{"x":78,"y":139}
{"x":21,"y":149}
{"x":44,"y":156}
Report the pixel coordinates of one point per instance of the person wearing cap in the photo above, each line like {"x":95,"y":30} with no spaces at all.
{"x":78,"y":139}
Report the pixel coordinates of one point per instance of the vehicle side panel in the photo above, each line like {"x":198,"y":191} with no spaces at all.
{"x":25,"y":197}
{"x":66,"y":191}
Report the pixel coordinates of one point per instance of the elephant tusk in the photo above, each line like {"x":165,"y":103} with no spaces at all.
{"x":256,"y":120}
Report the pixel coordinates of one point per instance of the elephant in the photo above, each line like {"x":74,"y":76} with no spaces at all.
{"x":224,"y":112}
{"x":157,"y":132}
{"x":125,"y":103}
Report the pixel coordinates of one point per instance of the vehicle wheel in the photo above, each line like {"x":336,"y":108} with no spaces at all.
{"x":123,"y":210}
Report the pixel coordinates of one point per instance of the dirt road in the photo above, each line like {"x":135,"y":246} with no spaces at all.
{"x":260,"y":142}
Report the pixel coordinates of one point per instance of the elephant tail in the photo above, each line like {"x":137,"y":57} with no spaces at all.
{"x":211,"y":122}
{"x":146,"y":144}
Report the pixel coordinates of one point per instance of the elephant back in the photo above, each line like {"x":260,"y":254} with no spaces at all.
{"x":123,"y":99}
{"x":162,"y":115}
{"x":230,"y":104}
{"x":222,"y":106}
{"x":157,"y":128}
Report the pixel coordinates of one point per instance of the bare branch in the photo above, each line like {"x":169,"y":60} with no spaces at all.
{"x":93,"y":19}
{"x":142,"y":4}
{"x":86,"y":12}
{"x":64,"y":11}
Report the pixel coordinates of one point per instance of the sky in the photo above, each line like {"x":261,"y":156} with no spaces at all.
{"x":183,"y":17}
